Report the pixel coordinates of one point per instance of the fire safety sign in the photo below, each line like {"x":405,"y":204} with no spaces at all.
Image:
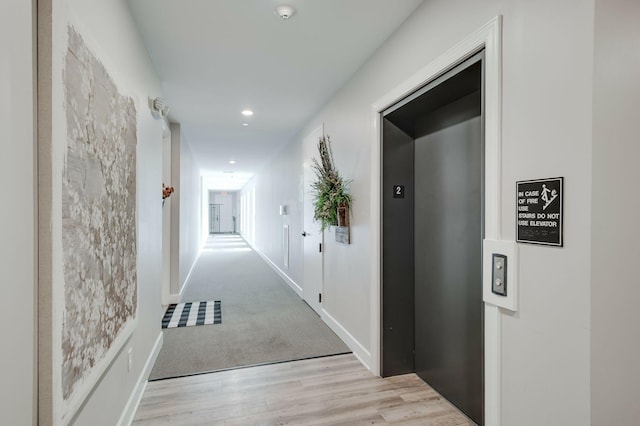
{"x":539,"y":211}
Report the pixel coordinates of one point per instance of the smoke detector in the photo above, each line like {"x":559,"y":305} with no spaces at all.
{"x":285,"y":11}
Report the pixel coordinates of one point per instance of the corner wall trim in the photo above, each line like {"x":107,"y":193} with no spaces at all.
{"x":294,"y":286}
{"x":176,"y":298}
{"x":136,"y":396}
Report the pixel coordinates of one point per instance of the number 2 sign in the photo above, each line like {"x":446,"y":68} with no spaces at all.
{"x":398,"y":191}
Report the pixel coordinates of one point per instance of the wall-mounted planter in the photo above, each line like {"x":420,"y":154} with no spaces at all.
{"x":331,"y":196}
{"x":343,"y":230}
{"x":343,"y":215}
{"x":343,"y":234}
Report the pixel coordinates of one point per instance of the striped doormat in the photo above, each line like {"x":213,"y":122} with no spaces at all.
{"x":192,"y":313}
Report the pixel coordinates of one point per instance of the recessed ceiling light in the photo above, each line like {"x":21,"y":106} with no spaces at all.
{"x":247,"y":112}
{"x":245,"y":124}
{"x":232,"y":161}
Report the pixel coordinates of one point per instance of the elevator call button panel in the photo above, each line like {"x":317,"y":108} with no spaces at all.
{"x":499,"y":275}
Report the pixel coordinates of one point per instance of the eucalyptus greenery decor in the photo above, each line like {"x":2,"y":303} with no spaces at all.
{"x":330,"y":190}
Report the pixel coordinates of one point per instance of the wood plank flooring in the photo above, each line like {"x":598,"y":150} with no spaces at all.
{"x":335,"y":390}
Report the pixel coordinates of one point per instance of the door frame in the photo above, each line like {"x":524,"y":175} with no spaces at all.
{"x":309,"y":295}
{"x":489,"y":38}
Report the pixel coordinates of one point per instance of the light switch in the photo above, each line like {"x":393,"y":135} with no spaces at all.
{"x":499,"y":275}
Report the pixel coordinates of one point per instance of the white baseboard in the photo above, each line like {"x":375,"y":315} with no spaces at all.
{"x":134,"y":400}
{"x":294,"y":286}
{"x":356,"y":347}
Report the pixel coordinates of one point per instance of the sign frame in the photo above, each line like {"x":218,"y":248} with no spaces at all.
{"x":522,"y":200}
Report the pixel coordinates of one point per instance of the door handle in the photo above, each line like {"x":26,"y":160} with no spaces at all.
{"x":304,"y":234}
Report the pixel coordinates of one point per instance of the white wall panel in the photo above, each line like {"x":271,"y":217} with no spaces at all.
{"x":190,"y":211}
{"x":615,"y":340}
{"x":279,"y":184}
{"x":18,"y":213}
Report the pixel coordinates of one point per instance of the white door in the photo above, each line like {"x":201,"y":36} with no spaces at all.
{"x":224,"y":201}
{"x":312,"y":236}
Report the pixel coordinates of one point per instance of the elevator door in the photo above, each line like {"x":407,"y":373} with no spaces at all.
{"x":432,"y":237}
{"x":448,"y":244}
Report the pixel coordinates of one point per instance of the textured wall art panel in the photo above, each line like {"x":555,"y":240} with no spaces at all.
{"x":98,"y":214}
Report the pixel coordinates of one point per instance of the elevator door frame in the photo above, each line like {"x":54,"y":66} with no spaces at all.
{"x":489,"y":38}
{"x":459,"y":91}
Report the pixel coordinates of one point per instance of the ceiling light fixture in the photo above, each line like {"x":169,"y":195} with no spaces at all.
{"x":232,"y":161}
{"x":285,"y":11}
{"x":245,"y":124}
{"x":247,"y":112}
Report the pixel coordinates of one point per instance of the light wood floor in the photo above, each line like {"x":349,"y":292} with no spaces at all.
{"x":335,"y":390}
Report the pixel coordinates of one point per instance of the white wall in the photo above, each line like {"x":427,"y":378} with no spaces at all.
{"x":186,"y":210}
{"x":189,"y":210}
{"x":166,"y":217}
{"x":248,"y":214}
{"x":615,"y":341}
{"x":110,"y":33}
{"x":175,"y":285}
{"x":279,"y":184}
{"x":547,"y":107}
{"x":547,"y":133}
{"x":204,"y":212}
{"x":18,"y":213}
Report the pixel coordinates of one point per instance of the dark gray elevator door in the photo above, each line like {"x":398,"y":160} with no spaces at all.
{"x":432,"y":237}
{"x":448,"y":241}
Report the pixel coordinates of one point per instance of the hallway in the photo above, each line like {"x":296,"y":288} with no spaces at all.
{"x":263,"y":320}
{"x":106,"y":102}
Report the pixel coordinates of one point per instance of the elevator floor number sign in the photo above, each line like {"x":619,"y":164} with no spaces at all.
{"x":539,"y":211}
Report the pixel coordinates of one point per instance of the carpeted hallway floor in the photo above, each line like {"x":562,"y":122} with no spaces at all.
{"x":263,"y":320}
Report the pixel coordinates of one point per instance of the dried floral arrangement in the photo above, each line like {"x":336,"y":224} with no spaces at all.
{"x":330,"y":190}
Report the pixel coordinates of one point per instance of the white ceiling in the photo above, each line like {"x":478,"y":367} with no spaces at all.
{"x":217,"y":57}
